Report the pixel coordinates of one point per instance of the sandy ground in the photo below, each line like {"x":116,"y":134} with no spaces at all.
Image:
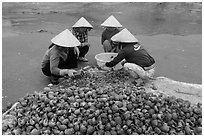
{"x":171,"y":32}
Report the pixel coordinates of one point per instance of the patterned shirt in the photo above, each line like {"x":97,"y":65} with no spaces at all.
{"x":82,"y":37}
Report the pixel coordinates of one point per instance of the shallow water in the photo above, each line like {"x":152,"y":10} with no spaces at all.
{"x":140,"y":18}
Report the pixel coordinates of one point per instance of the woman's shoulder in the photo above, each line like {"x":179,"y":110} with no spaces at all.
{"x":54,"y":50}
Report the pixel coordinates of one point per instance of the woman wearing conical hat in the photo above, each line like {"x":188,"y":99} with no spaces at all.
{"x":112,"y":27}
{"x":80,"y":31}
{"x":61,"y":57}
{"x":138,"y":62}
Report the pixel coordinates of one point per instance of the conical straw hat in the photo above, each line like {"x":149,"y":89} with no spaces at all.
{"x":82,"y":22}
{"x":65,"y":39}
{"x":124,"y":36}
{"x":111,"y":22}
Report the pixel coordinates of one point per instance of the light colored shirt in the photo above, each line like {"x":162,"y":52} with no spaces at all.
{"x":52,"y":57}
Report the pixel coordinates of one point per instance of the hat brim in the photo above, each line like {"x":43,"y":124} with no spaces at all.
{"x":111,"y":26}
{"x":82,"y":27}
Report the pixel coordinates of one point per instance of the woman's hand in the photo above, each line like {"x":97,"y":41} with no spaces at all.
{"x":71,"y":72}
{"x":85,"y":44}
{"x":76,"y":51}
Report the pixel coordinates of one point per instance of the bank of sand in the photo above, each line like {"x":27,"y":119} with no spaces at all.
{"x":25,"y":39}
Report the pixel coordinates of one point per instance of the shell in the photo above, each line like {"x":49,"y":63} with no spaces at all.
{"x":62,"y":127}
{"x":165,"y":127}
{"x":83,"y":129}
{"x":90,"y":130}
{"x":35,"y":132}
{"x":106,"y":104}
{"x":69,"y":131}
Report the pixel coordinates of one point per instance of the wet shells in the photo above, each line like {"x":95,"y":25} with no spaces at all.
{"x":65,"y":121}
{"x":46,"y":100}
{"x":118,"y":120}
{"x":129,"y":122}
{"x":47,"y":89}
{"x":82,"y":95}
{"x":199,"y":121}
{"x":51,"y":124}
{"x":139,"y":131}
{"x":56,"y":131}
{"x":47,"y":109}
{"x":198,"y":130}
{"x":77,"y":112}
{"x":188,"y":130}
{"x":172,"y":132}
{"x":35,"y":132}
{"x":32,"y":122}
{"x":23,"y":103}
{"x":59,"y":112}
{"x":113,"y":123}
{"x":127,"y":115}
{"x":69,"y":93}
{"x":174,"y":116}
{"x":108,"y":127}
{"x":47,"y":132}
{"x":146,"y":115}
{"x":76,"y":104}
{"x":45,"y":122}
{"x":114,"y":108}
{"x":125,"y":127}
{"x":29,"y":128}
{"x":154,"y":123}
{"x":113,"y":132}
{"x":80,"y":107}
{"x":83,"y":129}
{"x":51,"y":95}
{"x":69,"y":131}
{"x":99,"y":105}
{"x":129,"y":107}
{"x":157,"y":130}
{"x":62,"y":127}
{"x":119,"y":104}
{"x":17,"y":131}
{"x":167,"y":117}
{"x":165,"y":127}
{"x":90,"y":130}
{"x":76,"y":127}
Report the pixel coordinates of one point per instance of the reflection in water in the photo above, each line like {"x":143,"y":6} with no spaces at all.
{"x":157,"y":18}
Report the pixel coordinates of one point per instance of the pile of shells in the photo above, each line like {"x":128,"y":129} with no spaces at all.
{"x":103,"y":104}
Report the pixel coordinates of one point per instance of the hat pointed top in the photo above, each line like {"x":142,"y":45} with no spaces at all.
{"x":124,"y":36}
{"x":111,"y":22}
{"x":82,"y":22}
{"x":65,"y":39}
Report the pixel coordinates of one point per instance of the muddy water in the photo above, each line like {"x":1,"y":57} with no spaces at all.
{"x":28,"y":27}
{"x":140,"y":18}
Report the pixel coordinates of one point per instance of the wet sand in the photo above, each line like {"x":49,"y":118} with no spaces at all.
{"x":173,"y":38}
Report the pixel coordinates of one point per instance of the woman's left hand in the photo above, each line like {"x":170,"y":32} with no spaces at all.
{"x":85,"y":44}
{"x":76,"y":51}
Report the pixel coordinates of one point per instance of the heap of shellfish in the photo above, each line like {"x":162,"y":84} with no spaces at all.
{"x":103,"y":104}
